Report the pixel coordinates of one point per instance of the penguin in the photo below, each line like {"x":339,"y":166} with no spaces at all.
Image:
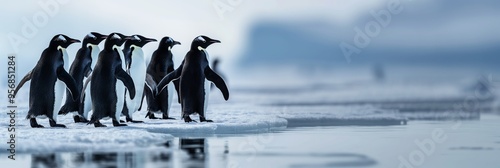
{"x":160,"y":65}
{"x":103,"y":82}
{"x":60,"y":87}
{"x":136,"y":68}
{"x":82,"y":66}
{"x":192,"y":74}
{"x":44,"y":75}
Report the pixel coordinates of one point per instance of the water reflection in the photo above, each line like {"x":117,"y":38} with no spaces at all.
{"x":195,"y":148}
{"x":116,"y":159}
{"x":191,"y":153}
{"x":44,"y":160}
{"x":98,"y":159}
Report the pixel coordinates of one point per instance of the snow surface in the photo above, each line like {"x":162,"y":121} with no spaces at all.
{"x":228,"y":119}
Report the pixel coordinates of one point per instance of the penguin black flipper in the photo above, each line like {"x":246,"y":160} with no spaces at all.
{"x":24,"y":80}
{"x":80,"y":110}
{"x":167,"y":79}
{"x":150,"y":84}
{"x":66,"y":108}
{"x":218,"y":81}
{"x":69,"y":81}
{"x":126,"y":79}
{"x":87,"y":71}
{"x":142,"y":99}
{"x":176,"y":86}
{"x":82,"y":94}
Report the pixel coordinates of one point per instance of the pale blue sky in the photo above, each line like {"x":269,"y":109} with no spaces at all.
{"x":422,"y":24}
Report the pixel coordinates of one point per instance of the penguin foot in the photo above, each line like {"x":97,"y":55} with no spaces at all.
{"x":75,"y":118}
{"x":79,"y":119}
{"x":167,"y":118}
{"x":98,"y":124}
{"x":151,"y":116}
{"x":58,"y":125}
{"x":188,"y":119}
{"x":133,"y":121}
{"x":62,"y":113}
{"x":203,"y":119}
{"x":121,"y":121}
{"x":117,"y":124}
{"x":34,"y":124}
{"x":54,"y":124}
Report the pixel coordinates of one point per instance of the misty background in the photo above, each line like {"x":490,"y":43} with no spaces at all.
{"x":287,"y":41}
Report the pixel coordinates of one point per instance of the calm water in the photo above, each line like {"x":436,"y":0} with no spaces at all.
{"x":417,"y":144}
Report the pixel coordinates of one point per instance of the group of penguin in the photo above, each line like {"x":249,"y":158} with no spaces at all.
{"x":114,"y":81}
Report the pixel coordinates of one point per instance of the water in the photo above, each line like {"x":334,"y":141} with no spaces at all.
{"x":417,"y":144}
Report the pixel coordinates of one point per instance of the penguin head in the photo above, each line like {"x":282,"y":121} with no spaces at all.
{"x":202,"y":42}
{"x":93,"y":38}
{"x":62,"y":40}
{"x":115,"y":39}
{"x":139,"y":41}
{"x":168,"y":42}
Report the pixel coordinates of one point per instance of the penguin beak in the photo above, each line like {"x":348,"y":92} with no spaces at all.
{"x":214,"y":41}
{"x":104,"y":36}
{"x":177,"y":43}
{"x":74,"y":41}
{"x":151,"y":40}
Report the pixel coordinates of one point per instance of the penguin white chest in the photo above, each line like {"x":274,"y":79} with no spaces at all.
{"x":88,"y":101}
{"x":59,"y":87}
{"x":206,"y":85}
{"x":94,"y":54}
{"x":138,"y":74}
{"x":120,"y":89}
{"x":138,"y":67}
